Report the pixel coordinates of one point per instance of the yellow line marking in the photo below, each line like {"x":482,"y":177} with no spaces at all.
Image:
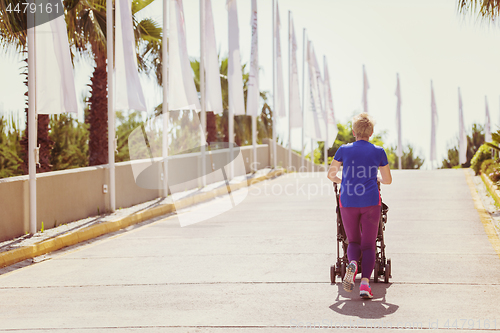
{"x":94,"y":242}
{"x":485,"y":217}
{"x":12,"y":257}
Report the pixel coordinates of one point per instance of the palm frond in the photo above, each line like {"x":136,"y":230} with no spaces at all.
{"x":138,"y":5}
{"x":489,"y":144}
{"x":495,"y":137}
{"x":149,"y":29}
{"x":486,"y":9}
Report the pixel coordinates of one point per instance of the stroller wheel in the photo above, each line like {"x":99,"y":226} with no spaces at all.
{"x":375,"y":272}
{"x":387,"y":274}
{"x":342,"y":270}
{"x":333,"y":274}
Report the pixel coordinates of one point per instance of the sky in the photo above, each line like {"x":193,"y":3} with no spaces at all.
{"x":421,"y":40}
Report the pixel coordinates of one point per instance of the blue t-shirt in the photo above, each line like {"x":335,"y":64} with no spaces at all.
{"x":361,"y":160}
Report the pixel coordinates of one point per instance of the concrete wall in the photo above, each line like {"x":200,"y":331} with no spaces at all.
{"x":69,"y":195}
{"x":283,"y":160}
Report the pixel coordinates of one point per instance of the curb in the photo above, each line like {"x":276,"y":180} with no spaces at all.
{"x":28,"y":252}
{"x":484,"y":216}
{"x":492,"y":188}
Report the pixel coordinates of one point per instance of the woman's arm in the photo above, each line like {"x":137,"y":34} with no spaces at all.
{"x":332,"y":172}
{"x":385,"y":173}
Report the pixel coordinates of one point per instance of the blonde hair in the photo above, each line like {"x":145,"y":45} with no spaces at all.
{"x":362,"y":125}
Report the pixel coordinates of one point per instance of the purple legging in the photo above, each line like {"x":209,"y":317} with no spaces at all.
{"x":356,"y":219}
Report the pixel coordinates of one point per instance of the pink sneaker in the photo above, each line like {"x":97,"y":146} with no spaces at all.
{"x":365,"y":291}
{"x":350,"y":275}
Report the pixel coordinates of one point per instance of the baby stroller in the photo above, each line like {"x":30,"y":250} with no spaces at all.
{"x":382,"y":264}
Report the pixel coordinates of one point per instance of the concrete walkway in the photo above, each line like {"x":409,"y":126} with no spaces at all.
{"x":263,"y":266}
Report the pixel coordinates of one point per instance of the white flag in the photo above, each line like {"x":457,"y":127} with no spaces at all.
{"x":319,"y":95}
{"x":321,"y":85}
{"x":213,"y":96}
{"x":253,"y":80}
{"x":331,"y":123}
{"x":181,"y":89}
{"x":462,"y":153}
{"x":399,"y":151}
{"x":487,"y":125}
{"x":294,"y":94}
{"x":54,"y":79}
{"x":234,"y":74}
{"x":280,"y":92}
{"x":129,"y":93}
{"x":320,"y":106}
{"x":313,"y":125}
{"x":366,"y":86}
{"x":434,"y":120}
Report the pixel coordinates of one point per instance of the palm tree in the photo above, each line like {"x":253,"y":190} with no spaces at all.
{"x":86,"y":21}
{"x":242,"y":123}
{"x":487,"y":9}
{"x":13,"y":35}
{"x":474,"y":142}
{"x":87,"y":32}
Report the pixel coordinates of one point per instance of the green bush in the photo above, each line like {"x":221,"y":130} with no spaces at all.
{"x":482,"y":154}
{"x":491,"y":169}
{"x":485,"y":165}
{"x":495,"y":176}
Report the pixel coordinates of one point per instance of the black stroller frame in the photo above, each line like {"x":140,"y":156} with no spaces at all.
{"x":382,"y":264}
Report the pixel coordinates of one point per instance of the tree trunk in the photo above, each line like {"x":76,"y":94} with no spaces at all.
{"x":98,"y":114}
{"x":44,"y":142}
{"x":211,"y":127}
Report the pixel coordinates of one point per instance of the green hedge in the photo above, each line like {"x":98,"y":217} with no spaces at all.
{"x":491,"y":169}
{"x":482,"y":154}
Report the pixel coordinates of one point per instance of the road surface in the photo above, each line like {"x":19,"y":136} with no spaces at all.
{"x":263,"y":266}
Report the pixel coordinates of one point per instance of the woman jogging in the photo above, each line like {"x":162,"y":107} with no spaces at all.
{"x":360,"y":199}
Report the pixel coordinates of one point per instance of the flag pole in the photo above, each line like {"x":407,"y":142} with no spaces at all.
{"x":254,"y":142}
{"x":275,"y":116}
{"x":32,"y":122}
{"x":165,"y":74}
{"x":365,"y":91}
{"x":312,"y":155}
{"x":326,"y":118}
{"x":202,"y":90}
{"x":111,"y":113}
{"x":289,"y":99}
{"x":255,"y":111}
{"x":303,"y":95}
{"x":400,"y":149}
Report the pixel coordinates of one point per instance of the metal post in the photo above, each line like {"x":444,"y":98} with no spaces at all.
{"x":202,"y":91}
{"x":289,"y":97}
{"x":312,"y":154}
{"x":231,"y":141}
{"x":254,"y":142}
{"x":275,"y":116}
{"x":325,"y":146}
{"x":111,"y":111}
{"x":165,"y":74}
{"x":32,"y":122}
{"x":303,"y":95}
{"x":230,"y":126}
{"x":255,"y":111}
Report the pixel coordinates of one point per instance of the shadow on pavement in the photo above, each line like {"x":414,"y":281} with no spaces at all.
{"x":350,"y":304}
